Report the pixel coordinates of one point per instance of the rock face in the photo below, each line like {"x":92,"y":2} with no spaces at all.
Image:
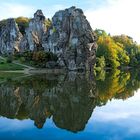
{"x":34,"y":33}
{"x":72,"y":39}
{"x":10,"y":37}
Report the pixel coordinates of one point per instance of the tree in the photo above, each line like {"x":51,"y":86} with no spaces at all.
{"x":23,"y":23}
{"x":113,"y":52}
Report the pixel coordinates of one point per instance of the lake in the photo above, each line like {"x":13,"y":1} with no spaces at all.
{"x":99,"y":106}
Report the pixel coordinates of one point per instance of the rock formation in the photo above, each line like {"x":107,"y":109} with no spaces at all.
{"x":35,"y":32}
{"x":70,"y":37}
{"x":10,"y":37}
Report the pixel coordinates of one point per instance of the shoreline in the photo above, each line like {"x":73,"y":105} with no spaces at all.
{"x":36,"y":71}
{"x":55,"y":71}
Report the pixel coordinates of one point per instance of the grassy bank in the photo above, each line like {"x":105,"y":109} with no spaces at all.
{"x":5,"y":66}
{"x":10,"y":66}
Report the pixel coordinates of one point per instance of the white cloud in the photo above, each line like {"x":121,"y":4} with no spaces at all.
{"x":119,"y":110}
{"x":114,"y":16}
{"x":9,"y":10}
{"x":119,"y":17}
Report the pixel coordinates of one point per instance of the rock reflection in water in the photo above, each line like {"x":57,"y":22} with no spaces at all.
{"x":68,"y":99}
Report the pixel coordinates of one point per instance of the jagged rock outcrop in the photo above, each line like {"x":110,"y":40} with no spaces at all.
{"x":10,"y":37}
{"x":72,"y":39}
{"x":34,"y":33}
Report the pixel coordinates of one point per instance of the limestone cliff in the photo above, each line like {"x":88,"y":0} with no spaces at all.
{"x":70,"y":37}
{"x":10,"y":37}
{"x":35,"y":32}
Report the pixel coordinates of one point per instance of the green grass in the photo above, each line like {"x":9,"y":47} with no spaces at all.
{"x":10,"y":66}
{"x":4,"y":66}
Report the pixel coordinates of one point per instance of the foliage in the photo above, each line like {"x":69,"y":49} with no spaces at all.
{"x":131,"y":47}
{"x":116,"y":84}
{"x":36,"y":58}
{"x":23,"y":23}
{"x":41,"y":57}
{"x":22,"y":60}
{"x":100,"y":62}
{"x":10,"y":66}
{"x":117,"y":51}
{"x":48,"y":23}
{"x":54,"y":29}
{"x":9,"y":59}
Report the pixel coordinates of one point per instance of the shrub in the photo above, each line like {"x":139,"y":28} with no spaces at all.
{"x":2,"y":62}
{"x":48,"y":23}
{"x":22,"y":60}
{"x":100,"y":62}
{"x":9,"y":59}
{"x":28,"y":55}
{"x":54,"y":29}
{"x":16,"y":55}
{"x":23,"y":23}
{"x":37,"y":58}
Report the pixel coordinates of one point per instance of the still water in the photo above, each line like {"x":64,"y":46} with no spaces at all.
{"x":70,"y":106}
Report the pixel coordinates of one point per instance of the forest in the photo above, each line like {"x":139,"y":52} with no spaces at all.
{"x":116,"y":51}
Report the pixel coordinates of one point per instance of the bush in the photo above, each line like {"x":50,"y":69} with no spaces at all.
{"x":48,"y":23}
{"x":9,"y":60}
{"x":100,"y":62}
{"x":16,"y":55}
{"x":1,"y":62}
{"x":28,"y":55}
{"x":22,"y":60}
{"x":36,"y":58}
{"x":54,"y":29}
{"x":23,"y":23}
{"x":43,"y":57}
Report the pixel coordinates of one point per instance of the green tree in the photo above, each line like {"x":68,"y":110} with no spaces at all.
{"x":113,"y":52}
{"x":23,"y":23}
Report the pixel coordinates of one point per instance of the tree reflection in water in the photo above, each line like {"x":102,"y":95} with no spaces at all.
{"x":69,"y":99}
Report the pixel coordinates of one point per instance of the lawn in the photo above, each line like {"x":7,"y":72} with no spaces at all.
{"x":4,"y":66}
{"x":10,"y":66}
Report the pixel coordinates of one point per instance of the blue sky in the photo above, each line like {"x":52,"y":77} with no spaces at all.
{"x":48,"y":6}
{"x":114,"y":16}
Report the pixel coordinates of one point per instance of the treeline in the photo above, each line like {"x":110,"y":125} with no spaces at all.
{"x":116,"y":51}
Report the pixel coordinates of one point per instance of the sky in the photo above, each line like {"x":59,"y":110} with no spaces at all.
{"x":114,"y":16}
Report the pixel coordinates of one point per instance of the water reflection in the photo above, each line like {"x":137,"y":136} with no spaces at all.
{"x":69,"y":99}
